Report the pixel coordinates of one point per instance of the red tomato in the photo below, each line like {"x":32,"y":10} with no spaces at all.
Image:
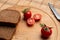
{"x":37,"y":17}
{"x":30,"y":21}
{"x":27,"y":15}
{"x":46,"y":33}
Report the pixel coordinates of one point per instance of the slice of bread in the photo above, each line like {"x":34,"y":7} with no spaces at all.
{"x":8,"y":21}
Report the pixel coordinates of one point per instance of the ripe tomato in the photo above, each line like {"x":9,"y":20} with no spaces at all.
{"x":30,"y":21}
{"x":37,"y":17}
{"x":27,"y":15}
{"x":46,"y":33}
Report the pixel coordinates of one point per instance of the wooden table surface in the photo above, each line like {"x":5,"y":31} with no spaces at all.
{"x":40,"y":4}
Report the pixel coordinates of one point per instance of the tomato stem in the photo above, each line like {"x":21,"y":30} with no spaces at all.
{"x":42,"y":25}
{"x":25,"y":10}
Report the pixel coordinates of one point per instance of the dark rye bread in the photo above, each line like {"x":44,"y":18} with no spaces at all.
{"x":9,"y":17}
{"x":8,"y":20}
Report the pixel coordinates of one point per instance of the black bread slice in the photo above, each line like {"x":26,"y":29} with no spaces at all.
{"x":8,"y":20}
{"x":9,"y":17}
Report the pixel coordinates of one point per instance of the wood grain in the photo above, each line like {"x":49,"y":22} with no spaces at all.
{"x":23,"y":32}
{"x":39,"y":4}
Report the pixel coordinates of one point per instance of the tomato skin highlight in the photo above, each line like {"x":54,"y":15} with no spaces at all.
{"x":37,"y":17}
{"x":46,"y":34}
{"x":27,"y":15}
{"x":30,"y":21}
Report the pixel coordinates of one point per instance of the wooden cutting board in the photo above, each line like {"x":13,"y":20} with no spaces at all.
{"x":23,"y":32}
{"x":40,"y":4}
